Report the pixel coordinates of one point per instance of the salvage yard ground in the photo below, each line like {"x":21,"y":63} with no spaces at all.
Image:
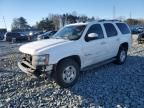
{"x":108,"y":86}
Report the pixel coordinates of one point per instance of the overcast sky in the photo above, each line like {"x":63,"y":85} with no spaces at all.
{"x":35,"y":10}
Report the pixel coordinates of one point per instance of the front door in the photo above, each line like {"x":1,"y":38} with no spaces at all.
{"x":94,"y":50}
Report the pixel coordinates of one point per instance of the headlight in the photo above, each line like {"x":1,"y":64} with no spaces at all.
{"x":40,"y":60}
{"x":30,"y":33}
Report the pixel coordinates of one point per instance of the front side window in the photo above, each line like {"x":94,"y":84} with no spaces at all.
{"x":70,"y":32}
{"x":96,"y":28}
{"x":110,"y":30}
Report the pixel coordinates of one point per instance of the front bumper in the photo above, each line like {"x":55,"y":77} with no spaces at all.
{"x":29,"y":69}
{"x":26,"y":68}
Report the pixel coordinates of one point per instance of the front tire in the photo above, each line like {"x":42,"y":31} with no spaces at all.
{"x":121,"y":56}
{"x":67,"y":73}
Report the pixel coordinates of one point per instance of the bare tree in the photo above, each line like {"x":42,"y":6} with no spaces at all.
{"x":19,"y":23}
{"x":56,"y":20}
{"x":45,"y":24}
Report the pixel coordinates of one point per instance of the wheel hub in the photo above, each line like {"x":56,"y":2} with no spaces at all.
{"x":69,"y":74}
{"x":122,"y":55}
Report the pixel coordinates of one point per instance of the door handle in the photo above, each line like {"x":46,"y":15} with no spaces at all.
{"x":102,"y":43}
{"x":88,"y":54}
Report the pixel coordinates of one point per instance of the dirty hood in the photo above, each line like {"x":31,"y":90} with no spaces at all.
{"x":33,"y":47}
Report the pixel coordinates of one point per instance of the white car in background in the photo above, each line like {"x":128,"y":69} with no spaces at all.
{"x":46,"y":35}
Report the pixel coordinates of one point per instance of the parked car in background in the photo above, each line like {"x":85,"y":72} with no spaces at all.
{"x":14,"y":35}
{"x":141,"y":38}
{"x":46,"y":35}
{"x":33,"y":36}
{"x":134,"y":31}
{"x":140,"y":29}
{"x":137,"y":30}
{"x":39,"y":33}
{"x":1,"y":36}
{"x":2,"y":33}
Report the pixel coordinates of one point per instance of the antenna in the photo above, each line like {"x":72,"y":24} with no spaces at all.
{"x":4,"y":22}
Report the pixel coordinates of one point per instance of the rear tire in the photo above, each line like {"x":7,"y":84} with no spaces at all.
{"x":67,"y":73}
{"x":121,"y":56}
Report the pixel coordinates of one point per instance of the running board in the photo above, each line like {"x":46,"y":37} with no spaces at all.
{"x":98,"y":64}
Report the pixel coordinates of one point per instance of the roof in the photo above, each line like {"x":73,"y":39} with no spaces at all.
{"x":77,"y":24}
{"x":103,"y":20}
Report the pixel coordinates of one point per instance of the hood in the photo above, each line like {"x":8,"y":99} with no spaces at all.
{"x":33,"y":47}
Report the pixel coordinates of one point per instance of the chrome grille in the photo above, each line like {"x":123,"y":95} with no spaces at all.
{"x":28,"y":58}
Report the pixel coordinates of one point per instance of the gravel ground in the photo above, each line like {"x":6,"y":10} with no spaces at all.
{"x":108,"y":86}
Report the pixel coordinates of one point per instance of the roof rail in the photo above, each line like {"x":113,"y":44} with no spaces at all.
{"x":102,"y":20}
{"x":113,"y":20}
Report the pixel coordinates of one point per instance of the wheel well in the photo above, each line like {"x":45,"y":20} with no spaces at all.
{"x":76,"y":58}
{"x":125,"y":45}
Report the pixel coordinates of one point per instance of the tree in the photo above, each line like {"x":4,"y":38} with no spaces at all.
{"x":121,"y":18}
{"x":19,"y":23}
{"x":56,"y":20}
{"x":68,"y":18}
{"x":46,"y":25}
{"x":133,"y":21}
{"x":92,"y":18}
{"x":82,"y":18}
{"x":71,"y":18}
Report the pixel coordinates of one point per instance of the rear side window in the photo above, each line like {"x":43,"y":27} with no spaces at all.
{"x":123,"y":28}
{"x":13,"y":34}
{"x":110,"y":30}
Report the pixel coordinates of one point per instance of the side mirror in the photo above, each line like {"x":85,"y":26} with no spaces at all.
{"x":93,"y":35}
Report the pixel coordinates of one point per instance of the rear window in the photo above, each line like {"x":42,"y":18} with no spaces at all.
{"x":123,"y":28}
{"x":13,"y":34}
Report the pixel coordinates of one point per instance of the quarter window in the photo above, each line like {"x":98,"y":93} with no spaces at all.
{"x":123,"y":28}
{"x":110,"y":30}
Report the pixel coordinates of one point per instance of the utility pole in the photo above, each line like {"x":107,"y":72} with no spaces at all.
{"x":130,"y":15}
{"x":114,"y":12}
{"x":4,"y":22}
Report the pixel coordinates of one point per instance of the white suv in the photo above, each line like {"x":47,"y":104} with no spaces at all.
{"x":76,"y":47}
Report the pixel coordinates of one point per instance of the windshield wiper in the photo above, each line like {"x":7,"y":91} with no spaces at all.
{"x":56,"y":37}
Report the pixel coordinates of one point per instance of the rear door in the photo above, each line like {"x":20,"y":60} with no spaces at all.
{"x":113,"y":39}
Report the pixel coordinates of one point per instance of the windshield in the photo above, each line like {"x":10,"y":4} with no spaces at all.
{"x":70,"y":32}
{"x":46,"y":33}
